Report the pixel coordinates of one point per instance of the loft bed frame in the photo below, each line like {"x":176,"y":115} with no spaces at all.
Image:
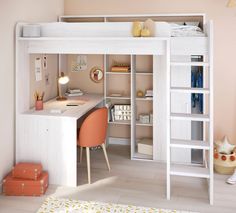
{"x":84,"y":35}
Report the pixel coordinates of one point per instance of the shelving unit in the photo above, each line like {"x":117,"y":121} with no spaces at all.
{"x":120,"y":84}
{"x":142,"y":81}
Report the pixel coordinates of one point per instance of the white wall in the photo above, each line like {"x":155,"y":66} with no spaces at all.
{"x":12,"y":11}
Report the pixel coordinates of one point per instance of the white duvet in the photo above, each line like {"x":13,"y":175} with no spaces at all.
{"x":185,"y":30}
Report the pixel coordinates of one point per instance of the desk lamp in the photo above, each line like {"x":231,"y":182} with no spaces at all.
{"x":62,"y":80}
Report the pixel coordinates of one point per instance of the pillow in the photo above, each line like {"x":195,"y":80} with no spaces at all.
{"x":177,"y":22}
{"x":193,"y":23}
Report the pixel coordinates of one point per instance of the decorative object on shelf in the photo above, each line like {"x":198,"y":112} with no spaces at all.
{"x":120,"y":67}
{"x":31,"y":30}
{"x":224,"y":157}
{"x":149,"y":94}
{"x":120,"y":112}
{"x":145,"y":32}
{"x":145,"y":146}
{"x":140,"y":93}
{"x":96,"y":74}
{"x":231,"y":3}
{"x":137,"y":28}
{"x":150,"y":25}
{"x":116,"y":95}
{"x":62,"y":80}
{"x":74,"y":92}
{"x":144,"y":118}
{"x":38,"y":100}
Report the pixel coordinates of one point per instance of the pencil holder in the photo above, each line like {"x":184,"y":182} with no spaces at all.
{"x":38,"y":105}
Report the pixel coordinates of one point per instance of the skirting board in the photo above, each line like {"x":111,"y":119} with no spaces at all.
{"x":118,"y":141}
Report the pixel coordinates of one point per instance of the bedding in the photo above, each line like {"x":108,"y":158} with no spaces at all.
{"x":186,"y":31}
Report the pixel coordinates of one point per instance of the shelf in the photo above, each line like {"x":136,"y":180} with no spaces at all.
{"x":189,"y":144}
{"x":189,"y":90}
{"x":141,"y":124}
{"x":120,"y":122}
{"x":189,"y":171}
{"x":139,"y":156}
{"x":119,"y":97}
{"x":118,"y":73}
{"x":144,"y":99}
{"x":187,"y":117}
{"x":197,"y":64}
{"x":144,"y":73}
{"x":128,"y":73}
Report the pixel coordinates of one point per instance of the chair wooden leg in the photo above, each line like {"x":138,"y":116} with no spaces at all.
{"x":81,"y":154}
{"x":105,"y":154}
{"x":88,"y":164}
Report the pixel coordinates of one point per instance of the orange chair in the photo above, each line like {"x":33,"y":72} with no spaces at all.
{"x":93,"y":133}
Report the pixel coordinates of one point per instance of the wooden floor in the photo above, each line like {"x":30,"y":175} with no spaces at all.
{"x":133,"y":182}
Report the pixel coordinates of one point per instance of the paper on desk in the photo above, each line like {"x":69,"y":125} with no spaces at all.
{"x":38,"y":69}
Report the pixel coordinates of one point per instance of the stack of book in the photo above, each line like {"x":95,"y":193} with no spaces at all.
{"x":149,"y":94}
{"x":74,"y":92}
{"x":120,"y":69}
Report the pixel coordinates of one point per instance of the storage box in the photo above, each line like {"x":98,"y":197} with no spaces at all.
{"x":27,"y":171}
{"x":20,"y":187}
{"x":145,"y":146}
{"x":144,"y":118}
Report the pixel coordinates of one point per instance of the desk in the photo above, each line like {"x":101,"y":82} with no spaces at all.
{"x":51,"y":138}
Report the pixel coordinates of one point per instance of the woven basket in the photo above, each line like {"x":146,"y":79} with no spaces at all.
{"x":224,"y":164}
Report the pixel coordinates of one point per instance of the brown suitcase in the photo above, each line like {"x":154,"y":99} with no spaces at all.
{"x":27,"y":171}
{"x":25,"y":187}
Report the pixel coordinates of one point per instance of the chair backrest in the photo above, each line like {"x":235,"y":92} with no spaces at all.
{"x":94,"y":128}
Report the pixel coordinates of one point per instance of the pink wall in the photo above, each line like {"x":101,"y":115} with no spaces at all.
{"x":225,"y":44}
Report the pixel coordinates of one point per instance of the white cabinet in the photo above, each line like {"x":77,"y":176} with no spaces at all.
{"x":52,"y":141}
{"x":181,"y":103}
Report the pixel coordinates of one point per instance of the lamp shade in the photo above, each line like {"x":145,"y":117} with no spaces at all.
{"x":63,"y":79}
{"x":231,"y":3}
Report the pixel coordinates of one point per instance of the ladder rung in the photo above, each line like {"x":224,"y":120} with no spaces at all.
{"x":197,"y":64}
{"x":191,"y":117}
{"x":189,"y":144}
{"x":189,"y":171}
{"x":190,"y":90}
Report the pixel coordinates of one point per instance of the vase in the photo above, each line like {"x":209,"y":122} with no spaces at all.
{"x":38,"y":105}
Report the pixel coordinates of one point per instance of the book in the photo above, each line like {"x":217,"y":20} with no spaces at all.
{"x":120,"y":69}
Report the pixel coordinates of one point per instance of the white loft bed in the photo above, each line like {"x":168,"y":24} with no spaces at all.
{"x":96,"y":35}
{"x":109,"y":35}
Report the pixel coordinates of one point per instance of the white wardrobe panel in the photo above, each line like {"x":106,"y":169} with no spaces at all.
{"x":181,"y":103}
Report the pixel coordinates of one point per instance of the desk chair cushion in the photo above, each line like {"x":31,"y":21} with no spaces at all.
{"x":93,"y":130}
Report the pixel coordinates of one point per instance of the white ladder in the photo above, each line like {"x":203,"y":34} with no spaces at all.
{"x":206,"y":170}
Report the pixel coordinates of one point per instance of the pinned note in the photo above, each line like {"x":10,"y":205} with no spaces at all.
{"x":38,"y":69}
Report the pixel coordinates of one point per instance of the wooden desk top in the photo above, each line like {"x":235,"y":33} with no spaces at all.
{"x":60,"y":109}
